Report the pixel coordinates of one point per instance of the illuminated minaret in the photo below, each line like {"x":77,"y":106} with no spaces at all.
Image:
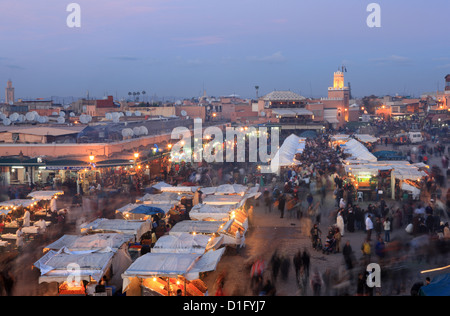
{"x":340,"y":92}
{"x":9,"y":93}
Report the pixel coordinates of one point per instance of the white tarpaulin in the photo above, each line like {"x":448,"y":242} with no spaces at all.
{"x":54,"y":265}
{"x":161,"y":185}
{"x":171,"y":265}
{"x":407,"y":187}
{"x":202,"y":212}
{"x":17,"y":203}
{"x":90,"y":242}
{"x":198,"y":227}
{"x":223,"y":199}
{"x":163,"y":198}
{"x":66,"y":265}
{"x":231,"y":189}
{"x":357,"y":151}
{"x":44,"y":195}
{"x":186,"y":243}
{"x":285,"y":156}
{"x":136,"y":228}
{"x":366,"y":138}
{"x":180,"y":189}
{"x":401,"y":170}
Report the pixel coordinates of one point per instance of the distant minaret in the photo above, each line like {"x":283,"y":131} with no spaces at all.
{"x":9,"y":93}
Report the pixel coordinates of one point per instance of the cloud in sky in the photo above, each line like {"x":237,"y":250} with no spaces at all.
{"x":275,"y":58}
{"x":199,"y":41}
{"x":393,"y":59}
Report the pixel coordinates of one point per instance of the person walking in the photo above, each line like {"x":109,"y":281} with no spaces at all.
{"x":387,"y":230}
{"x":369,"y":227}
{"x":282,"y":204}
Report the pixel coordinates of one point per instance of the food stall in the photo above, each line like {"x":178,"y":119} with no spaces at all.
{"x":164,"y":274}
{"x":74,"y":271}
{"x":209,"y":212}
{"x":103,"y":225}
{"x":134,"y":211}
{"x":197,"y":227}
{"x":187,"y":243}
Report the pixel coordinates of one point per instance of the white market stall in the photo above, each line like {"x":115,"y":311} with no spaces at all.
{"x":202,"y":212}
{"x":187,"y":243}
{"x":285,"y":156}
{"x":180,"y":189}
{"x":103,"y":225}
{"x":197,"y":227}
{"x":70,"y":268}
{"x":234,"y":200}
{"x":90,"y":242}
{"x":163,"y":274}
{"x":231,"y":189}
{"x":357,"y":151}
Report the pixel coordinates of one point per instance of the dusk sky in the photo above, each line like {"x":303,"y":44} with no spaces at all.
{"x":174,"y":48}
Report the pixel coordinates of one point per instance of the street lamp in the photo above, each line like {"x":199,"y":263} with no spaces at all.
{"x":136,"y":155}
{"x":91,"y":157}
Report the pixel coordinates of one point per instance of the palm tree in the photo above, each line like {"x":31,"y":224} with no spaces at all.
{"x":257,"y":88}
{"x":143,"y":93}
{"x":129,"y":94}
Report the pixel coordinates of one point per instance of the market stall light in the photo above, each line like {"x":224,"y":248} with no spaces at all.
{"x":91,"y":157}
{"x":136,"y":155}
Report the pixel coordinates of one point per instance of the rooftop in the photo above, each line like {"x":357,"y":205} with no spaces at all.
{"x":283,"y":96}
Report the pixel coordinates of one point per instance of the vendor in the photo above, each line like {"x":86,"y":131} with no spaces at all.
{"x":19,"y":240}
{"x":26,"y":218}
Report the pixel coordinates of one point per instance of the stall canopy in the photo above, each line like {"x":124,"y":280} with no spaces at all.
{"x":223,"y":199}
{"x":401,"y":170}
{"x":358,"y":151}
{"x":439,"y":286}
{"x":160,"y":185}
{"x":366,"y":138}
{"x":172,"y":265}
{"x":103,"y":225}
{"x":285,"y":156}
{"x":17,"y":203}
{"x":198,"y":227}
{"x":180,"y":189}
{"x":44,"y":195}
{"x":231,"y":189}
{"x":202,"y":212}
{"x":186,"y":243}
{"x":54,"y":265}
{"x":163,"y":198}
{"x":90,"y":242}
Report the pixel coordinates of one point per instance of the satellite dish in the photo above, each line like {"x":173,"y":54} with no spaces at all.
{"x":2,"y":116}
{"x":121,"y":114}
{"x":144,"y":130}
{"x":30,"y":116}
{"x":128,"y":113}
{"x":137,"y":131}
{"x":21,"y":118}
{"x":89,"y":118}
{"x":72,"y":114}
{"x":61,"y":120}
{"x":127,"y":132}
{"x":137,"y":113}
{"x":62,"y":114}
{"x":13,"y":117}
{"x":6,"y":122}
{"x":54,"y":113}
{"x":183,"y":113}
{"x":108,"y":116}
{"x":84,"y":119}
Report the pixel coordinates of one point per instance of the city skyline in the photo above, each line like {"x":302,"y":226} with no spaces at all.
{"x":178,"y":48}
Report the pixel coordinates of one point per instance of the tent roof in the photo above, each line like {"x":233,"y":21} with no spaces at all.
{"x":285,"y":156}
{"x":136,"y":228}
{"x":90,"y":242}
{"x":358,"y":151}
{"x":439,"y":286}
{"x":54,"y":265}
{"x":186,"y":243}
{"x":44,"y":195}
{"x":199,"y":227}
